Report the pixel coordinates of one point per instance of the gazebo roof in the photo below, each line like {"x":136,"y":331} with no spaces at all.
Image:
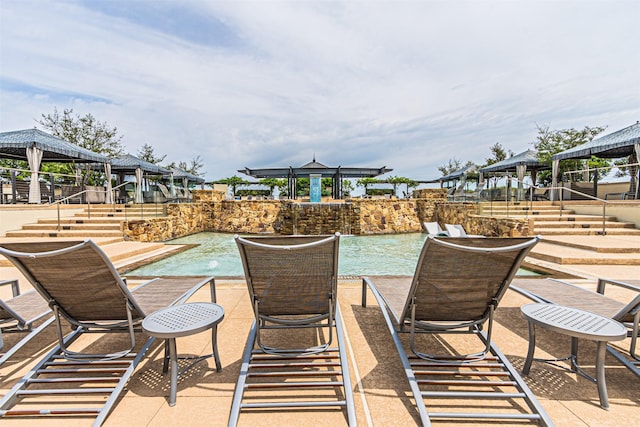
{"x":14,"y":144}
{"x":128,"y":164}
{"x":179,"y":173}
{"x":527,"y":158}
{"x":313,"y":168}
{"x":459,"y":173}
{"x":617,"y":144}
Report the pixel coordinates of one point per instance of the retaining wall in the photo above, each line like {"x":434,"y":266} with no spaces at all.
{"x":210,"y":212}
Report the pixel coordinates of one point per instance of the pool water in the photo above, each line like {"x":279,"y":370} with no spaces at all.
{"x":216,"y":254}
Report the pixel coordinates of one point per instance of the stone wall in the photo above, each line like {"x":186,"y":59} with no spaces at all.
{"x":211,"y":212}
{"x":319,"y":218}
{"x":466,"y":215}
{"x":247,"y":216}
{"x":388,"y":216}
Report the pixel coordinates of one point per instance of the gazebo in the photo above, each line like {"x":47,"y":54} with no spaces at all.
{"x":622,"y":143}
{"x":185,"y":176}
{"x":37,"y":147}
{"x":128,"y":164}
{"x":519,"y":163}
{"x":315,"y":168}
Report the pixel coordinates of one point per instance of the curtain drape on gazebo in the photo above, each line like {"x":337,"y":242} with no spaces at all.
{"x":520,"y":171}
{"x":139,"y":198}
{"x":109,"y":189}
{"x":34,"y":157}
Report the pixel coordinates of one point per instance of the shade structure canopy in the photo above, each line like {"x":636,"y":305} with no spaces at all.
{"x":14,"y":145}
{"x":186,"y":178}
{"x":622,"y":143}
{"x":519,"y":163}
{"x":36,"y":147}
{"x":316,"y":169}
{"x":129,"y":164}
{"x":618,"y":144}
{"x":528,"y":159}
{"x":458,"y":174}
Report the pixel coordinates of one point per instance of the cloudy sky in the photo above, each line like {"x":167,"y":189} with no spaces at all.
{"x":403,"y":84}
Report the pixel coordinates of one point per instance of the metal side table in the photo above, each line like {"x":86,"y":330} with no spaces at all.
{"x":180,"y":321}
{"x":575,"y":323}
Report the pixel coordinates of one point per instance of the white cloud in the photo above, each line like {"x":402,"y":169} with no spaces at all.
{"x":402,"y":84}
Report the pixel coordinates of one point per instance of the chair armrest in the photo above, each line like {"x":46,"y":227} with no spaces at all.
{"x":602,"y":283}
{"x":15,"y":287}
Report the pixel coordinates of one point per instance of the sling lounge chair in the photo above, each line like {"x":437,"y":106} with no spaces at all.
{"x":457,"y":230}
{"x":628,"y":313}
{"x":456,"y":288}
{"x":19,"y":314}
{"x":292,"y":282}
{"x":82,"y":286}
{"x":434,"y":229}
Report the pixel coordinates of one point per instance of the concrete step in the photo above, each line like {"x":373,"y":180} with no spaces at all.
{"x":80,"y":220}
{"x":571,"y":255}
{"x":621,"y":244}
{"x":75,"y":226}
{"x":570,"y":217}
{"x":81,"y":234}
{"x":125,"y":255}
{"x":582,"y":224}
{"x":594,"y":231}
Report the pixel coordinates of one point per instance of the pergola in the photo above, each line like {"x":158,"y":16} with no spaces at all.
{"x":185,"y":176}
{"x":520,"y":163}
{"x":458,"y":175}
{"x":128,"y":164}
{"x":622,"y":143}
{"x":317,"y":169}
{"x":37,"y":147}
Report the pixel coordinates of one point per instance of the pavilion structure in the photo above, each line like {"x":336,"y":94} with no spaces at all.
{"x":315,"y":168}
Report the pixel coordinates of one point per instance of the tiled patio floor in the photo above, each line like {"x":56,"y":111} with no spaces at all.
{"x":381,"y":390}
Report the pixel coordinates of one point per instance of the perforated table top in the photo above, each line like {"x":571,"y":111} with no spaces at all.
{"x":574,"y":322}
{"x":183,"y":320}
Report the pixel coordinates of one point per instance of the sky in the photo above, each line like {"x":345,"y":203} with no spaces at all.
{"x":409,"y":85}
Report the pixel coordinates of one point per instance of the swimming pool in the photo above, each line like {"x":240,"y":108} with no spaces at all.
{"x":216,"y":254}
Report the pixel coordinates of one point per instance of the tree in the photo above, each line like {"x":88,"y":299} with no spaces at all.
{"x":453,"y":165}
{"x":498,"y":154}
{"x":85,"y":131}
{"x":366,"y":182}
{"x":271,"y":183}
{"x":398,"y":180}
{"x":193,"y":168}
{"x":147,"y":154}
{"x":347,"y":187}
{"x":549,"y":142}
{"x":234,"y":182}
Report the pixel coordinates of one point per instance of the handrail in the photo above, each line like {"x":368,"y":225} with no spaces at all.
{"x":78,"y":194}
{"x":589,"y":196}
{"x":560,"y":189}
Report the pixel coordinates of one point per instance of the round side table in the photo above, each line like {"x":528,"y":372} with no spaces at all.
{"x":575,"y":323}
{"x":180,"y":321}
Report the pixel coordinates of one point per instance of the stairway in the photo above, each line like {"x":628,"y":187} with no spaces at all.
{"x":550,"y":220}
{"x":570,"y":238}
{"x":95,"y":221}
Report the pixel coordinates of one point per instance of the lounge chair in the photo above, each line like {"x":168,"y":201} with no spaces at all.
{"x":82,"y":286}
{"x":628,"y":313}
{"x":19,"y":314}
{"x":434,"y":229}
{"x":457,"y":230}
{"x":292,"y":283}
{"x":456,"y":288}
{"x":168,"y":197}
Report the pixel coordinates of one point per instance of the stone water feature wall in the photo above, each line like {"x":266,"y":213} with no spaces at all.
{"x":210,"y":212}
{"x":319,"y":218}
{"x":388,"y":216}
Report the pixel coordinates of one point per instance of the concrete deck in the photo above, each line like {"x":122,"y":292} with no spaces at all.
{"x":381,"y":391}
